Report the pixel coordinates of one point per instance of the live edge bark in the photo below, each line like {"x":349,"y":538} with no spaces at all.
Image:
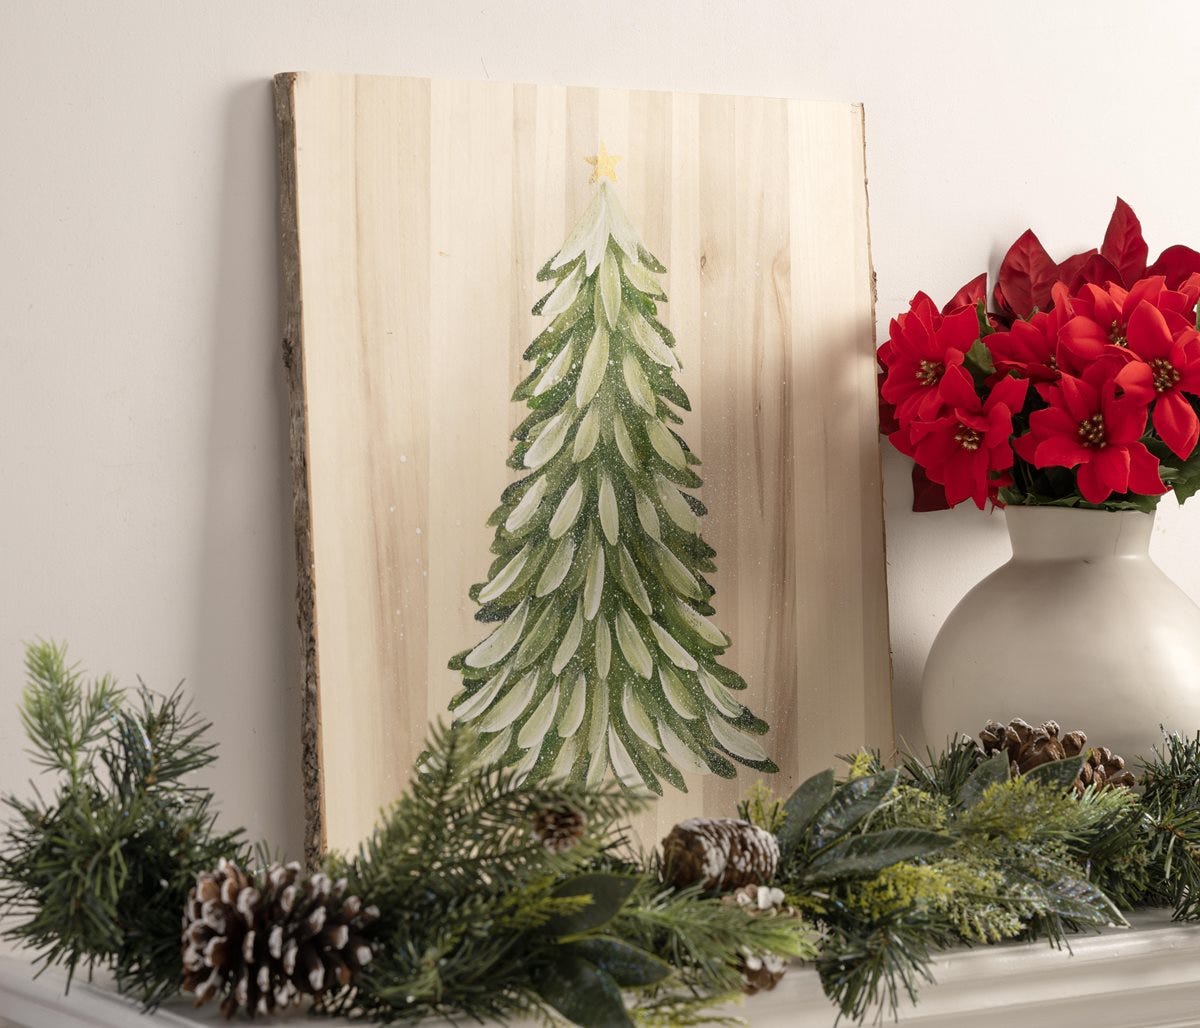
{"x":293,"y":360}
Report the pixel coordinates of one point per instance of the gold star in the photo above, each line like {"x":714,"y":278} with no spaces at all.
{"x":604,"y":164}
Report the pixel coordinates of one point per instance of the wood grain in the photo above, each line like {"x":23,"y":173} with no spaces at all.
{"x":415,"y":215}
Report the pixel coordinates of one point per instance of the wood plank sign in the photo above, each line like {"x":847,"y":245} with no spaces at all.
{"x":518,"y":319}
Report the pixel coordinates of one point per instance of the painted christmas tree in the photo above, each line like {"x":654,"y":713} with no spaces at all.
{"x":604,"y":654}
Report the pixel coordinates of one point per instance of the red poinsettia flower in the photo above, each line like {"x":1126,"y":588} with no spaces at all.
{"x":1103,"y":314}
{"x":1172,"y":368}
{"x":1094,"y":425}
{"x":968,"y":445}
{"x":922,"y":345}
{"x":1031,"y":348}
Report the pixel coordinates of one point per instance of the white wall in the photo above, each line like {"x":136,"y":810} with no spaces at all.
{"x":145,"y":510}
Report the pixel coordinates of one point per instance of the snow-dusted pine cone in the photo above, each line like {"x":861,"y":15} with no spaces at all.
{"x":719,"y":854}
{"x":558,"y":828}
{"x":761,"y":970}
{"x":267,"y":941}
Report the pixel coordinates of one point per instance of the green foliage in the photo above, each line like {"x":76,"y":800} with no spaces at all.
{"x":97,"y":875}
{"x":896,"y":865}
{"x":762,"y":807}
{"x":1171,"y":825}
{"x":480,"y":918}
{"x":826,"y":836}
{"x":703,"y":937}
{"x":946,"y":773}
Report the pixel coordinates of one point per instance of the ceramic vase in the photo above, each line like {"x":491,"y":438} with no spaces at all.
{"x":1080,"y":627}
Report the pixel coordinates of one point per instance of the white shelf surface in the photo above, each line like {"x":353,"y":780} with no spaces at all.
{"x":1146,"y":976}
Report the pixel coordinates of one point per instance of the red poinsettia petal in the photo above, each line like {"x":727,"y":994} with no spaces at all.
{"x":1097,"y":270}
{"x":888,"y":422}
{"x":1147,"y":332}
{"x":957,"y":389}
{"x":1060,"y":298}
{"x":923,"y":309}
{"x":1123,"y":243}
{"x":1079,"y":398}
{"x":1068,"y":269}
{"x":965,"y":474}
{"x":1177,"y":424}
{"x":1190,"y":289}
{"x":1188,"y":367}
{"x":1125,"y":417}
{"x":958,"y":332}
{"x":903,"y":441}
{"x":1143,"y":472}
{"x":1053,"y":421}
{"x":1026,"y":275}
{"x":1004,"y":314}
{"x":1112,"y":467}
{"x":1176,"y":263}
{"x":1152,"y":289}
{"x":1091,"y":487}
{"x":1136,"y":381}
{"x":927,"y":495}
{"x":1081,"y":341}
{"x":1025,"y":446}
{"x":1008,"y":392}
{"x":969,"y":295}
{"x":1061,"y":451}
{"x":925,"y":405}
{"x":935,"y":446}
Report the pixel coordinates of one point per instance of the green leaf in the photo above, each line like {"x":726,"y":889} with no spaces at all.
{"x":979,"y":357}
{"x":851,"y":803}
{"x":870,"y":853}
{"x":801,"y":807}
{"x":1058,"y":774}
{"x":991,"y":772}
{"x":1187,"y":478}
{"x":583,"y":993}
{"x":627,"y":965}
{"x":608,"y":893}
{"x":1075,"y":899}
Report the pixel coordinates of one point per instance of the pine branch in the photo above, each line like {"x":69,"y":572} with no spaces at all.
{"x":97,"y":875}
{"x":703,"y":938}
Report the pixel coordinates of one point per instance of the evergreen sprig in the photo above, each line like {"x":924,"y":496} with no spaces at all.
{"x":479,"y":917}
{"x":97,"y":874}
{"x":1171,"y":825}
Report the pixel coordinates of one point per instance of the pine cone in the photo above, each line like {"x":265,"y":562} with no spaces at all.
{"x":266,"y":942}
{"x":760,"y":971}
{"x":558,"y":828}
{"x":1029,"y":747}
{"x":1105,"y":770}
{"x":719,"y":854}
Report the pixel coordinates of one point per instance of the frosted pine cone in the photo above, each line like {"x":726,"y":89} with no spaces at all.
{"x":760,"y":970}
{"x":261,"y":943}
{"x":719,"y":854}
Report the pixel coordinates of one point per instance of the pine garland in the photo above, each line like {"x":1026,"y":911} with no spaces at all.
{"x":499,"y":898}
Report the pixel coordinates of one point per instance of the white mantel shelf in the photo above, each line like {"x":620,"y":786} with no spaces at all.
{"x":1147,"y":976}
